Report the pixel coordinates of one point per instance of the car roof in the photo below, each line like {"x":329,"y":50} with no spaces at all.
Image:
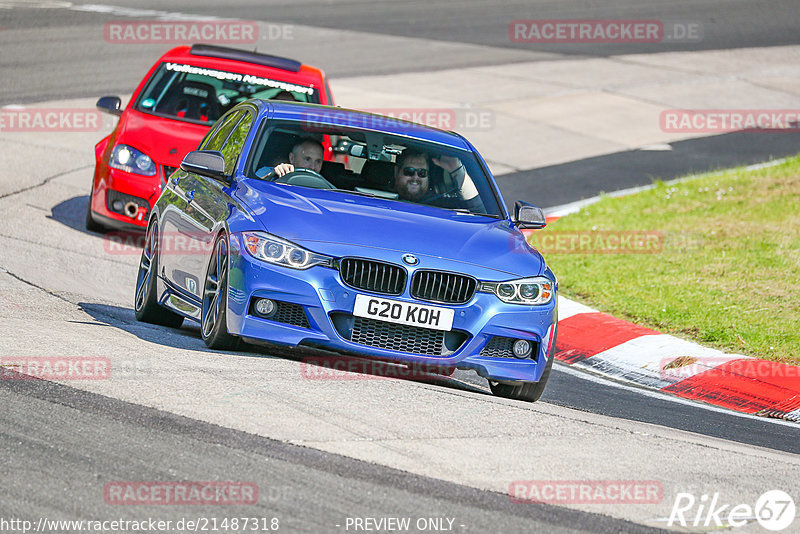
{"x":336,"y":116}
{"x":221,"y":57}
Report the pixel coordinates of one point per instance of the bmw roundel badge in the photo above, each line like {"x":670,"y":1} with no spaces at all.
{"x":410,"y":259}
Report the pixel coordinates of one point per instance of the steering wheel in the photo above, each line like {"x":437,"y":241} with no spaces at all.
{"x":450,"y":193}
{"x":305,"y":178}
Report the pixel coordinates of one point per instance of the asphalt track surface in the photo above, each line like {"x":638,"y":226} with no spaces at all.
{"x":60,"y":53}
{"x":64,"y":434}
{"x":307,"y":490}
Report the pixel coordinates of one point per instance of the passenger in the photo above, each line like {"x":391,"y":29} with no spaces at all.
{"x":412,"y":181}
{"x":305,"y":154}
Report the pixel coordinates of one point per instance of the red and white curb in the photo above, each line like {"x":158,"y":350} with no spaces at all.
{"x":597,"y":342}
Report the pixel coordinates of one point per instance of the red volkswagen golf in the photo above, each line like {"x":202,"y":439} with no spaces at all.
{"x":171,"y":111}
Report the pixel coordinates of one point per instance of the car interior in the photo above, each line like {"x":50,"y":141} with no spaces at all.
{"x":351,"y":171}
{"x":191,"y":100}
{"x":201,"y":98}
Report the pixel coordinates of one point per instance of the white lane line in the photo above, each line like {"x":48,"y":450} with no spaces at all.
{"x":591,"y":377}
{"x":658,"y":147}
{"x":119,"y":11}
{"x":766,"y":164}
{"x":32,"y":4}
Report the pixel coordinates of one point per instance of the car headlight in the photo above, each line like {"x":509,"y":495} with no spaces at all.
{"x":128,"y":159}
{"x":530,"y":291}
{"x":275,"y":250}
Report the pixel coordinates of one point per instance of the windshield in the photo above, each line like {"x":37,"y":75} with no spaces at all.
{"x":375,"y":164}
{"x":201,"y":95}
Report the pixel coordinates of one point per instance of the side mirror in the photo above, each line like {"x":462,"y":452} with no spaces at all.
{"x":110,"y":104}
{"x":528,"y":216}
{"x":205,"y":163}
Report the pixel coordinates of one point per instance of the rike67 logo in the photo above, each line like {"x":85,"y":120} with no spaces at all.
{"x":774,"y":510}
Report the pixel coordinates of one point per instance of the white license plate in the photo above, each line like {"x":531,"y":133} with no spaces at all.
{"x":395,"y":311}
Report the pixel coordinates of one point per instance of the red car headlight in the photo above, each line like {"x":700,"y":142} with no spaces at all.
{"x":129,"y":159}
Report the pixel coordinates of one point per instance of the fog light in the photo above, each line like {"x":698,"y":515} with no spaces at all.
{"x":117,"y":206}
{"x":265,"y":307}
{"x":522,"y":348}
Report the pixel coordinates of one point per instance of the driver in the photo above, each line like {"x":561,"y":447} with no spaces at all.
{"x":305,"y":154}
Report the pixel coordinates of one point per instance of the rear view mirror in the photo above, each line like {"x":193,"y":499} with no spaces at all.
{"x":205,"y":163}
{"x":110,"y":104}
{"x":358,"y":151}
{"x":528,"y":216}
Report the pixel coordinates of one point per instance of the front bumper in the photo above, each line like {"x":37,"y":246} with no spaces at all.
{"x":320,"y":305}
{"x":114,"y":184}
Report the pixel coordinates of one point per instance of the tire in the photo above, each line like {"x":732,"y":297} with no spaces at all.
{"x":145,"y":302}
{"x":527,"y":391}
{"x":214,"y":314}
{"x":90,"y":223}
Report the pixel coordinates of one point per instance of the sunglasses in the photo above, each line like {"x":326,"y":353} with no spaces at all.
{"x":410,"y":171}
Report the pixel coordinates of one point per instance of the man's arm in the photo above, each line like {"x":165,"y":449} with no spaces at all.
{"x":278,"y":170}
{"x":453,"y":166}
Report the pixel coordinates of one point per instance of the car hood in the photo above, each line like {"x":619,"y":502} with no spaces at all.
{"x":334,"y":223}
{"x":166,"y":141}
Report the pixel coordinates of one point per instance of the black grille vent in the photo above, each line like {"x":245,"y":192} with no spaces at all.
{"x":374,"y":276}
{"x":499,"y":347}
{"x":439,"y":286}
{"x":287,"y":313}
{"x":502,"y":347}
{"x":398,"y":337}
{"x":292,"y":314}
{"x":402,"y":338}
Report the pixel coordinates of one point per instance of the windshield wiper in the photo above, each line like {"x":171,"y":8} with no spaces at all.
{"x":465,"y":211}
{"x":360,"y":193}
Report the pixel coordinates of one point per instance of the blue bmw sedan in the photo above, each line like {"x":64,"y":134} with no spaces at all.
{"x":397,"y":247}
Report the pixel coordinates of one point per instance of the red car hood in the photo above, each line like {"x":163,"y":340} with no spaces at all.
{"x":166,"y":141}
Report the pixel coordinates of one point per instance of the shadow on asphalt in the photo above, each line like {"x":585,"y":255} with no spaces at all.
{"x":316,"y":364}
{"x":568,"y":182}
{"x":71,"y":213}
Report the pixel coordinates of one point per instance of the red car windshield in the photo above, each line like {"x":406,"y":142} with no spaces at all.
{"x":202,"y":95}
